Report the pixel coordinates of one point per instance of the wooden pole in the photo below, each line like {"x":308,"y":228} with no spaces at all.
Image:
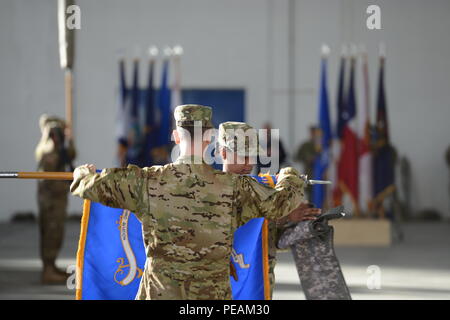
{"x":37,"y":175}
{"x":68,"y":81}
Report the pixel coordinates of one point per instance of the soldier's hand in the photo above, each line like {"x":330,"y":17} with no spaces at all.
{"x":83,"y":170}
{"x":304,"y":212}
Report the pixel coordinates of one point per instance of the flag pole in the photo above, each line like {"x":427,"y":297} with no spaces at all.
{"x":68,"y":82}
{"x":66,"y":54}
{"x":36,"y":175}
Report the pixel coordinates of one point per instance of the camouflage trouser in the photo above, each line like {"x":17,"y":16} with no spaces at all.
{"x":272,"y":255}
{"x":161,"y":287}
{"x":52,"y":217}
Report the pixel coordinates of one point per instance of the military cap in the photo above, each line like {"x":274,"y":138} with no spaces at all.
{"x":51,"y":122}
{"x":230,"y":133}
{"x":187,"y":115}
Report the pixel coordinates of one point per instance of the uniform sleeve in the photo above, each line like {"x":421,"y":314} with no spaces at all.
{"x":124,"y":188}
{"x":255,"y":200}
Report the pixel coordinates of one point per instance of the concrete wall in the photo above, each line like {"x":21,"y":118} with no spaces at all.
{"x":227,"y":44}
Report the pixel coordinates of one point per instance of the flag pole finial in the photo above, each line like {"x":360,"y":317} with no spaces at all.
{"x":178,"y":50}
{"x":168,"y":51}
{"x":382,"y":50}
{"x":153,"y":51}
{"x":325,"y":50}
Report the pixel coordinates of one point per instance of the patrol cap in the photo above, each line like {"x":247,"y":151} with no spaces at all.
{"x":187,"y":115}
{"x":232,"y":135}
{"x":51,"y":122}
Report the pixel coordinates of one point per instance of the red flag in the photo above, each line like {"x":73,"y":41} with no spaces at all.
{"x":365,"y":154}
{"x":348,"y":162}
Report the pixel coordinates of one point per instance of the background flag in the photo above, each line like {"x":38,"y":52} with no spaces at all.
{"x":337,"y":143}
{"x":341,"y":100}
{"x":176,"y":90}
{"x":150,"y":126}
{"x":134,"y":129}
{"x":348,"y":163}
{"x":323,"y":159}
{"x":384,"y":154}
{"x":164,"y":105}
{"x":123,"y":118}
{"x":365,"y":155}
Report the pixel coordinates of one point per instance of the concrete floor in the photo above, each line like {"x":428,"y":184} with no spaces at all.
{"x":418,"y":268}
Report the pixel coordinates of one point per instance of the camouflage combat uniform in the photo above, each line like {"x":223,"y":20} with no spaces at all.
{"x":250,"y":148}
{"x":189,"y":212}
{"x":274,"y":231}
{"x":306,"y":154}
{"x":52,"y":195}
{"x":318,"y":268}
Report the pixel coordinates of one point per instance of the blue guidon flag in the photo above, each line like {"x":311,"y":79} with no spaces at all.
{"x":111,"y":255}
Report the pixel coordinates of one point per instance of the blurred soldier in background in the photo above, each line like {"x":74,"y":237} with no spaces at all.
{"x":307,"y":153}
{"x":55,"y":152}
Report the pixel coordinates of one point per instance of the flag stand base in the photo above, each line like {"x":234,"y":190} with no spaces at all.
{"x":362,"y":233}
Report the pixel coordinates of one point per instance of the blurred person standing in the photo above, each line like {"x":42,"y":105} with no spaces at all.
{"x":54,"y":152}
{"x":307,"y":153}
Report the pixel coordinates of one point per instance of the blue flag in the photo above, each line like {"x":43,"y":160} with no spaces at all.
{"x":247,"y":257}
{"x":341,"y":101}
{"x":111,"y":255}
{"x":165,"y":124}
{"x":323,"y":159}
{"x":122,"y":112}
{"x":135,"y":147}
{"x":150,"y":141}
{"x":384,"y":153}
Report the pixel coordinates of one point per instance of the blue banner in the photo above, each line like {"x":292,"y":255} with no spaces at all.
{"x":111,"y":253}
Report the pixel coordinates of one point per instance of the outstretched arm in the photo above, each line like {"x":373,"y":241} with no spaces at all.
{"x":256,"y":200}
{"x":118,"y":188}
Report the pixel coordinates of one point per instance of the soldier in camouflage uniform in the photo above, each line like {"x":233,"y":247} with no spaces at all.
{"x":240,"y":158}
{"x":52,"y":154}
{"x":189,"y":211}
